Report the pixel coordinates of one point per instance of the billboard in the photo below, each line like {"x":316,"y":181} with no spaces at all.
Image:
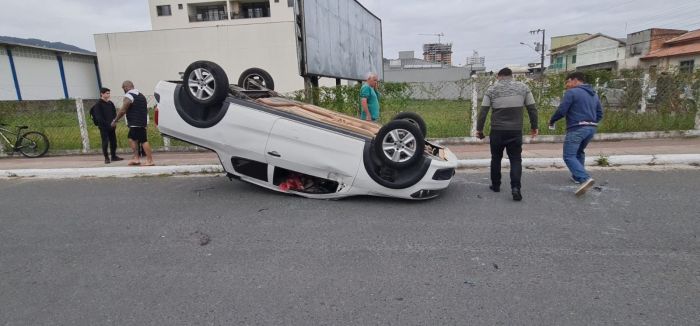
{"x":338,"y":39}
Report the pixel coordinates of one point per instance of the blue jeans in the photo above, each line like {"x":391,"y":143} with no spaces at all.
{"x":574,"y":151}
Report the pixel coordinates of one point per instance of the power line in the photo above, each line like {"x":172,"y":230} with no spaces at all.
{"x":663,"y":16}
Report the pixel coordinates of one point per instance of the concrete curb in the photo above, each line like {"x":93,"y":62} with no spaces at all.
{"x":615,"y":160}
{"x":560,"y":138}
{"x":111,"y":172}
{"x":125,"y":172}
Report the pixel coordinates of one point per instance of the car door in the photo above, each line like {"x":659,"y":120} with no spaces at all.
{"x":314,"y":150}
{"x":243,"y":135}
{"x":245,"y":131}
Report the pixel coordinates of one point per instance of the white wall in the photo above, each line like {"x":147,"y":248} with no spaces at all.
{"x":672,"y":63}
{"x":598,"y":50}
{"x":279,"y":12}
{"x":629,"y":63}
{"x":7,"y":85}
{"x":81,"y":76}
{"x":38,"y":74}
{"x":148,"y":57}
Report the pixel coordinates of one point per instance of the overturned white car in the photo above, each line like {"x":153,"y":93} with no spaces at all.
{"x":293,"y":147}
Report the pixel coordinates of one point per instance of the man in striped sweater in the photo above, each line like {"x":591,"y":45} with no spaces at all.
{"x":507,"y":98}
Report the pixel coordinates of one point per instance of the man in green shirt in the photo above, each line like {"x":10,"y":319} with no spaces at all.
{"x":369,"y":99}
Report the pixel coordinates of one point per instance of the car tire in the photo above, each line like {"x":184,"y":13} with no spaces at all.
{"x":205,"y":83}
{"x":399,"y":144}
{"x":415,"y":119}
{"x":253,"y":76}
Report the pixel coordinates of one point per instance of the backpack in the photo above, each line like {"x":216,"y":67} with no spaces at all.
{"x":92,"y":114}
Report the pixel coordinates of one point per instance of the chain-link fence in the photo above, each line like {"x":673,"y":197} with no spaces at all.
{"x":69,"y":127}
{"x":633,"y":101}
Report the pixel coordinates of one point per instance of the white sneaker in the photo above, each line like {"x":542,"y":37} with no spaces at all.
{"x":585,"y":186}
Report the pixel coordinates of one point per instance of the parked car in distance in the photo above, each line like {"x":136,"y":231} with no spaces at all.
{"x":621,"y":93}
{"x":293,"y":147}
{"x":618,"y":93}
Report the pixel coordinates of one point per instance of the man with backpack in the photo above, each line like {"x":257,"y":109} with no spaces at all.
{"x":135,"y":107}
{"x":103,"y":112}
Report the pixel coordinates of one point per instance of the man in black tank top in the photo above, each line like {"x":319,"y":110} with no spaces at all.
{"x":135,"y":108}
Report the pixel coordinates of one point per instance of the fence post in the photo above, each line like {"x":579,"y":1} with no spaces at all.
{"x":475,"y":103}
{"x":166,"y":143}
{"x":645,"y":89}
{"x":82,"y":124}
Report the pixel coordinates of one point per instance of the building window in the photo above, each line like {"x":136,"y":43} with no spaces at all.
{"x":179,"y":6}
{"x":255,"y":9}
{"x":687,"y":66}
{"x":573,"y":59}
{"x":290,"y":3}
{"x":208,"y":13}
{"x":163,"y":10}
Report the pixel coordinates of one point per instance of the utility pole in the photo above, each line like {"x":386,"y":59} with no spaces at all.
{"x":542,"y":48}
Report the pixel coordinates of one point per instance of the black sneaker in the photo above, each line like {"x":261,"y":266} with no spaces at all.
{"x":516,"y":194}
{"x":116,"y":158}
{"x":107,"y":161}
{"x":495,"y":188}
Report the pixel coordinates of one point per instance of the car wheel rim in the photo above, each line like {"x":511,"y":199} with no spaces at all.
{"x":399,"y":145}
{"x":254,"y":81}
{"x":201,"y":84}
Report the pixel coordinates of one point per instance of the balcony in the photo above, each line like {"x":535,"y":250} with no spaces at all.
{"x":209,"y":16}
{"x":556,"y":66}
{"x":251,"y":13}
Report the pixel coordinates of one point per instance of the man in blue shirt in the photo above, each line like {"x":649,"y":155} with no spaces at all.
{"x":582,"y":109}
{"x":369,"y":99}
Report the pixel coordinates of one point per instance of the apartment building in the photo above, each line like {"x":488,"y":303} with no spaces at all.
{"x":169,"y":14}
{"x":249,"y":39}
{"x":238,"y":35}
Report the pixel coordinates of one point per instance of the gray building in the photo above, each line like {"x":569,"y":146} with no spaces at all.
{"x":640,"y":44}
{"x":428,"y":80}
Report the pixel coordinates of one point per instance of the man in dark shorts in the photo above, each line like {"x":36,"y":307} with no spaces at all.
{"x":136,"y":110}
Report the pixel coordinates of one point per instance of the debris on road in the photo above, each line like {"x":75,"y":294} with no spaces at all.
{"x":201,"y":238}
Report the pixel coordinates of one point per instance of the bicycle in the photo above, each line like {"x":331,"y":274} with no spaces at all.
{"x":30,"y":144}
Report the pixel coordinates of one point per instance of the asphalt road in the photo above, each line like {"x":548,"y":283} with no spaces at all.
{"x":208,"y":251}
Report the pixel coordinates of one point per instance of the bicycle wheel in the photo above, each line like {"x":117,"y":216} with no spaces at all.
{"x":33,"y":144}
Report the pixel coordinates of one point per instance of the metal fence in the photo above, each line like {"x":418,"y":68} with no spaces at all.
{"x":633,"y":101}
{"x":69,"y":127}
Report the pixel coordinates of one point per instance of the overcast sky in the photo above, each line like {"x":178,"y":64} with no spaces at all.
{"x":493,"y":27}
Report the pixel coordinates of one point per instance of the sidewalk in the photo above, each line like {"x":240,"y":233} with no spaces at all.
{"x":626,"y":152}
